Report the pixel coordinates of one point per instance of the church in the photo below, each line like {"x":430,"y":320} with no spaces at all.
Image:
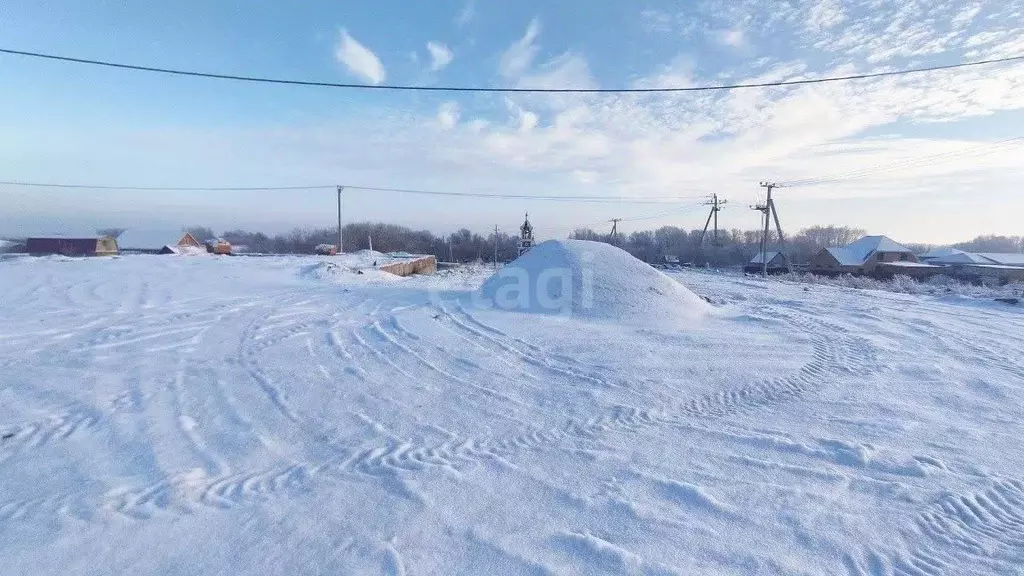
{"x":525,"y":236}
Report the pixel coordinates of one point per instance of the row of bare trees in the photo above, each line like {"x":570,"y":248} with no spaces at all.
{"x":733,"y":247}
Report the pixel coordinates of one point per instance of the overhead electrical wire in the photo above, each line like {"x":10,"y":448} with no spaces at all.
{"x":403,"y":87}
{"x":346,"y":187}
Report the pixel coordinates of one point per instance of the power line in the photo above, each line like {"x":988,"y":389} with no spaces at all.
{"x":348,"y":187}
{"x":163,"y":188}
{"x":595,"y":199}
{"x":403,"y":87}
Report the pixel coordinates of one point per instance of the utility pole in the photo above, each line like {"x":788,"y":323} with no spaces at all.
{"x":495,"y":246}
{"x":615,"y":229}
{"x":716,"y":206}
{"x":340,"y":249}
{"x":770,"y":212}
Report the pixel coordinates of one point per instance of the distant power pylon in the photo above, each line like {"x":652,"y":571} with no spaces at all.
{"x":770,"y":212}
{"x":716,"y":206}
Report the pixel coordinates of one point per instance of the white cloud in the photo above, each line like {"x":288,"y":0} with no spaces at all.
{"x":527,"y":121}
{"x":565,"y":71}
{"x":735,"y":37}
{"x":826,"y":14}
{"x":360,"y":60}
{"x":448,"y":115}
{"x":518,"y":57}
{"x":966,"y":15}
{"x":635,"y":145}
{"x":440,"y":55}
{"x":466,"y":15}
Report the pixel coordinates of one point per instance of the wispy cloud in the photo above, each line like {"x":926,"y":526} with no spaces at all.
{"x":734,"y":37}
{"x":519,"y":56}
{"x":568,"y":70}
{"x":440,"y":55}
{"x":358,"y":59}
{"x":448,"y":115}
{"x":826,"y":14}
{"x":466,"y":15}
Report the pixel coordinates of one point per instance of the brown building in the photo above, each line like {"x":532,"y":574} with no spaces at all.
{"x":869,"y":256}
{"x":95,"y":246}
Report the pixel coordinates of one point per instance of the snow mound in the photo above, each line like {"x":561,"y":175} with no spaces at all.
{"x":590,"y":280}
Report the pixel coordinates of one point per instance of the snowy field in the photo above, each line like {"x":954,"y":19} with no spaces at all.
{"x":174,"y":415}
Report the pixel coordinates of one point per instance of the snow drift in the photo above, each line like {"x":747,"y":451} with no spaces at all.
{"x":590,"y":280}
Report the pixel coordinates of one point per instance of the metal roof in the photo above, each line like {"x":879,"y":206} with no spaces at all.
{"x":770,"y":255}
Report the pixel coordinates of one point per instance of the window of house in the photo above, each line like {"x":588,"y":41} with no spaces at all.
{"x":904,"y":257}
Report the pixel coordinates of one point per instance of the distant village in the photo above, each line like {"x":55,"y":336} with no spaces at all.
{"x":871,"y":256}
{"x":883,"y":258}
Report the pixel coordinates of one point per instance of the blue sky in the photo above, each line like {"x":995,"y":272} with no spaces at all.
{"x":68,"y":123}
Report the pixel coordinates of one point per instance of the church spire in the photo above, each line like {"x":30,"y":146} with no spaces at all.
{"x":525,"y":235}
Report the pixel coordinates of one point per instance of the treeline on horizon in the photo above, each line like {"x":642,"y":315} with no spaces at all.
{"x":734,"y":247}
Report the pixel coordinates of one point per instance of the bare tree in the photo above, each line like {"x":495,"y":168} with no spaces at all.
{"x":112,"y":232}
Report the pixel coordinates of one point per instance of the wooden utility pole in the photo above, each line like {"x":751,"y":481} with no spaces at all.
{"x":495,"y":246}
{"x":771,"y":213}
{"x":716,"y":205}
{"x":615,"y":229}
{"x":340,"y":249}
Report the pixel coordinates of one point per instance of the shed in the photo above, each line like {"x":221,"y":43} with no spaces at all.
{"x":776,"y":263}
{"x":72,"y":246}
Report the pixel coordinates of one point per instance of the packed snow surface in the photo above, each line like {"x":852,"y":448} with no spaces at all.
{"x":590,"y":280}
{"x":163,"y":415}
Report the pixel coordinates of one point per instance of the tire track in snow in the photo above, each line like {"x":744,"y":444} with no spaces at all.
{"x":976,"y":532}
{"x":184,"y":492}
{"x":42,"y":432}
{"x":384,"y":337}
{"x":834,"y":353}
{"x":507,"y":345}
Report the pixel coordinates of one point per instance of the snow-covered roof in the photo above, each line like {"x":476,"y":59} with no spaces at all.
{"x":961,"y":257}
{"x":860,"y":251}
{"x":1004,"y":258}
{"x":844,"y":256}
{"x":995,"y":266}
{"x":187,"y":250}
{"x":770,"y":255}
{"x":905,"y":264}
{"x":869,"y":244}
{"x":941,"y":252}
{"x":955,"y":256}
